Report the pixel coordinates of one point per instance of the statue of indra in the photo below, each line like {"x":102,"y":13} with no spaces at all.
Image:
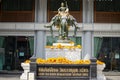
{"x":63,"y":20}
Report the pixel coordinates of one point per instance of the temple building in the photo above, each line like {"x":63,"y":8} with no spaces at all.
{"x":22,"y":32}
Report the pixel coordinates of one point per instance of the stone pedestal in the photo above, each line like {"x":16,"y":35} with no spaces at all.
{"x":73,"y":54}
{"x":63,"y":44}
{"x":100,"y":75}
{"x":26,"y":68}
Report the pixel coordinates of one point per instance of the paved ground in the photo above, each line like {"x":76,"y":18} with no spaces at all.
{"x":113,"y":77}
{"x":9,"y":77}
{"x":16,"y":77}
{"x":109,"y":76}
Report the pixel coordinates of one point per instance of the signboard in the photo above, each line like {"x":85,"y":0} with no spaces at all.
{"x":63,"y":71}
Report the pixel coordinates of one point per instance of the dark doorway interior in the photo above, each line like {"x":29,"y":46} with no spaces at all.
{"x":110,"y":53}
{"x":17,"y":50}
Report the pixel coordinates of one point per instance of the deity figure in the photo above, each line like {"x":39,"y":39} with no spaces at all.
{"x":63,"y":20}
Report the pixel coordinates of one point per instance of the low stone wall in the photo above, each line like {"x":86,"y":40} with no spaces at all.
{"x":35,"y":71}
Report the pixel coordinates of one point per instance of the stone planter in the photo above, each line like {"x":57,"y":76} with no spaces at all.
{"x":100,"y":75}
{"x":26,"y":68}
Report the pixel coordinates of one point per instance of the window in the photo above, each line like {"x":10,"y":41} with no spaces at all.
{"x":17,"y":10}
{"x":108,"y":5}
{"x":107,"y":11}
{"x":108,"y":50}
{"x":17,"y":5}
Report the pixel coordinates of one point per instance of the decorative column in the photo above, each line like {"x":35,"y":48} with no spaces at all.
{"x":87,"y":36}
{"x":40,"y":35}
{"x":41,"y":11}
{"x":39,"y":50}
{"x":39,"y":45}
{"x":40,"y":42}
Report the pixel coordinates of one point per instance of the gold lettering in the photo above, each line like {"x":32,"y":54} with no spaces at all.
{"x":52,"y":74}
{"x":83,"y":70}
{"x":54,"y":71}
{"x":41,"y":74}
{"x":73,"y":70}
{"x":85,"y":74}
{"x":86,"y":70}
{"x":76,"y":74}
{"x":48,"y":69}
{"x":68,"y":70}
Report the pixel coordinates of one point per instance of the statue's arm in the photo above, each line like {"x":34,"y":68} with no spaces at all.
{"x":52,"y":22}
{"x":74,"y":23}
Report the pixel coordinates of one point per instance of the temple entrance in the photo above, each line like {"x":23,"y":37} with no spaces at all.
{"x":17,"y":50}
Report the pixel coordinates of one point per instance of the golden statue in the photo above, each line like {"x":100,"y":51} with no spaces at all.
{"x":63,"y":20}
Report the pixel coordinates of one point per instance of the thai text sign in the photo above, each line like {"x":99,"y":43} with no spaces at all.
{"x":63,"y":70}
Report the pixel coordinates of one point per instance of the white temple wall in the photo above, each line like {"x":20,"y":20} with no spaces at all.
{"x":28,"y":29}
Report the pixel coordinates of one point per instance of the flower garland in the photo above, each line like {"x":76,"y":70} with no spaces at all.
{"x":59,"y":46}
{"x":63,"y":60}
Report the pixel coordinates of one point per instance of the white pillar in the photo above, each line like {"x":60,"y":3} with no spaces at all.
{"x":87,"y":36}
{"x":40,"y":42}
{"x":87,"y":44}
{"x":41,"y":11}
{"x":40,"y":35}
